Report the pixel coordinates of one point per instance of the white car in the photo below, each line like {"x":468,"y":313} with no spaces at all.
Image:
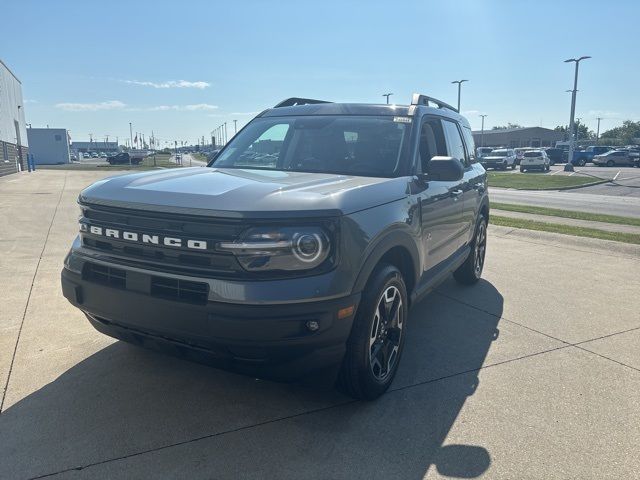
{"x":535,"y":160}
{"x":500,"y":159}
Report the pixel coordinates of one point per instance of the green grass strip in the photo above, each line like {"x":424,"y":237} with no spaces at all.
{"x":555,"y":212}
{"x":537,"y":181}
{"x":564,"y":229}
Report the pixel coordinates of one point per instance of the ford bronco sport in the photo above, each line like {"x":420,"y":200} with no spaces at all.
{"x":297,"y":250}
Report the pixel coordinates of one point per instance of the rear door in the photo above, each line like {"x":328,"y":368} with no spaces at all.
{"x":440,"y":201}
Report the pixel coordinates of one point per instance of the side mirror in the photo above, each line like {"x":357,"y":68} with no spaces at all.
{"x":445,"y":169}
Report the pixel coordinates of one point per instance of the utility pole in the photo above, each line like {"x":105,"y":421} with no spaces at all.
{"x":598,"y":131}
{"x":235,"y":127}
{"x":459,"y":82}
{"x":387,"y":95}
{"x":225,"y":133}
{"x":131,"y":135}
{"x":482,"y":131}
{"x":569,"y":166}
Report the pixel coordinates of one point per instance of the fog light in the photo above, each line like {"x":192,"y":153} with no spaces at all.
{"x":313,"y":325}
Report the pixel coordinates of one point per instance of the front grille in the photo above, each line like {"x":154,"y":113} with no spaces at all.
{"x":202,"y":263}
{"x":113,"y":277}
{"x":180,"y":290}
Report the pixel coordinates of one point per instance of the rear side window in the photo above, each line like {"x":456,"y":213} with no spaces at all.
{"x":455,"y":145}
{"x":471,"y":147}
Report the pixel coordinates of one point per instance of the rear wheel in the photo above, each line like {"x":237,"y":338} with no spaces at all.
{"x":582,"y":162}
{"x":522,"y":169}
{"x":375,"y":345}
{"x":610,"y":163}
{"x":471,"y":270}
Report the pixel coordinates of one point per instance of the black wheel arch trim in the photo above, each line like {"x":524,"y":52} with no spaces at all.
{"x":384,"y":243}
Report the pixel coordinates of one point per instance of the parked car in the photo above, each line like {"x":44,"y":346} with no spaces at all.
{"x":94,"y":155}
{"x":555,"y":155}
{"x":483,"y":151}
{"x":291,"y":262}
{"x":102,"y":155}
{"x":500,"y":159}
{"x":123,"y":159}
{"x":614,"y":158}
{"x":535,"y":160}
{"x":582,"y":157}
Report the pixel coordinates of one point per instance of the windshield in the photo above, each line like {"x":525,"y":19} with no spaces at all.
{"x":340,"y":144}
{"x":532,"y":154}
{"x":500,"y":153}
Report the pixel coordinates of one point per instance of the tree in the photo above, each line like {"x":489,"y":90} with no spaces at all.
{"x":627,"y":132}
{"x":509,"y":125}
{"x":583,"y":130}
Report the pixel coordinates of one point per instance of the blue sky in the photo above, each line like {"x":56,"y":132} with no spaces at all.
{"x":182,"y":68}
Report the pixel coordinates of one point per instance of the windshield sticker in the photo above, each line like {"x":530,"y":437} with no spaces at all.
{"x":402,"y":119}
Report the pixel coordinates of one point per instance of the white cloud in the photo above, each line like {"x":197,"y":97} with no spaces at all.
{"x":91,"y":107}
{"x":184,"y":108}
{"x":171,"y":84}
{"x":244,"y":113}
{"x":468,"y":113}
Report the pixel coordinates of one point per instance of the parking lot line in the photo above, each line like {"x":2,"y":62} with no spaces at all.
{"x":557,"y":171}
{"x":617,"y":174}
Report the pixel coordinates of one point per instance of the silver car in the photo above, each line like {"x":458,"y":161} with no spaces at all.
{"x":501,"y":158}
{"x":614,"y":158}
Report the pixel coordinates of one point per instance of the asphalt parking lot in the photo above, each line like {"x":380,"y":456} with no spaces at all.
{"x":532,"y":373}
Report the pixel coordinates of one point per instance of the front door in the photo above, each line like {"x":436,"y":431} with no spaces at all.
{"x":440,"y":202}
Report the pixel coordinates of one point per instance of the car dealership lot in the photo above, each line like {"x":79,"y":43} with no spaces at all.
{"x":533,"y":373}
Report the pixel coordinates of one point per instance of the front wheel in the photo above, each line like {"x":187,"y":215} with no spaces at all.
{"x":471,"y":270}
{"x":375,"y":345}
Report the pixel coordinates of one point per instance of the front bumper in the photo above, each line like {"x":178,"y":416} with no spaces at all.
{"x":266,"y":340}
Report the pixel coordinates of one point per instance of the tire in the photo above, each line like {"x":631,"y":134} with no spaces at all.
{"x":522,"y":169}
{"x":610,"y":163}
{"x":547,"y":168}
{"x":360,"y":376}
{"x":582,"y":162}
{"x":513,"y":167}
{"x":471,"y":270}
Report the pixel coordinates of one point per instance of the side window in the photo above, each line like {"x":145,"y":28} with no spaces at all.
{"x":455,"y":145}
{"x":471,"y":147}
{"x":265,"y":150}
{"x":432,"y":142}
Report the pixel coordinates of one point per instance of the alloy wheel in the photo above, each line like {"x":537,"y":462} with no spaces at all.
{"x":386,"y":332}
{"x":480,"y":248}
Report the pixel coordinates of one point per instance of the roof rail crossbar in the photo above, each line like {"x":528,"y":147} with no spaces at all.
{"x":418,"y":99}
{"x":290,"y":102}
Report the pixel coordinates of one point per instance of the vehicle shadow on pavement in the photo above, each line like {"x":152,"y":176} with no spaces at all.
{"x":125,"y":401}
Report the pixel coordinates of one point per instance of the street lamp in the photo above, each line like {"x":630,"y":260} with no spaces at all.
{"x":569,"y":166}
{"x":482,"y":131}
{"x":387,"y":95}
{"x":459,"y":82}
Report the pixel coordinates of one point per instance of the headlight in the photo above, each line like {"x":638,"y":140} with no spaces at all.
{"x":280,"y":248}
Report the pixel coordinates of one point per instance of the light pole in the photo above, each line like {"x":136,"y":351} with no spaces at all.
{"x":569,"y":166}
{"x":459,"y":82}
{"x":598,"y":131}
{"x":387,"y":95}
{"x":235,"y":127}
{"x":131,"y":145}
{"x":482,"y":131}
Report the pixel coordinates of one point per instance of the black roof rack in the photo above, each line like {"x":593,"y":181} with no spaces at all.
{"x":290,"y":102}
{"x":417,"y":99}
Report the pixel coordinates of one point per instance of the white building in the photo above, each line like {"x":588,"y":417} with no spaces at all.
{"x":13,"y":129}
{"x":48,"y":146}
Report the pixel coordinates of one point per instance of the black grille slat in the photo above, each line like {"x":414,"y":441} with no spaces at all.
{"x":181,"y":290}
{"x":113,"y":277}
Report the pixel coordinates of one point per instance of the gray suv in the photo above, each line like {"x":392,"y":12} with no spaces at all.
{"x":297,"y":251}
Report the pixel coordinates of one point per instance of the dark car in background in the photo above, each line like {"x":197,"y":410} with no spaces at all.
{"x":555,"y":155}
{"x":122,"y":159}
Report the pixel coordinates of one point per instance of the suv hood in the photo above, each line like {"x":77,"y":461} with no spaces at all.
{"x":240,"y":193}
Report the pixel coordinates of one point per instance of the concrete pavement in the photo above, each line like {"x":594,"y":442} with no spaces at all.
{"x":532,"y":373}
